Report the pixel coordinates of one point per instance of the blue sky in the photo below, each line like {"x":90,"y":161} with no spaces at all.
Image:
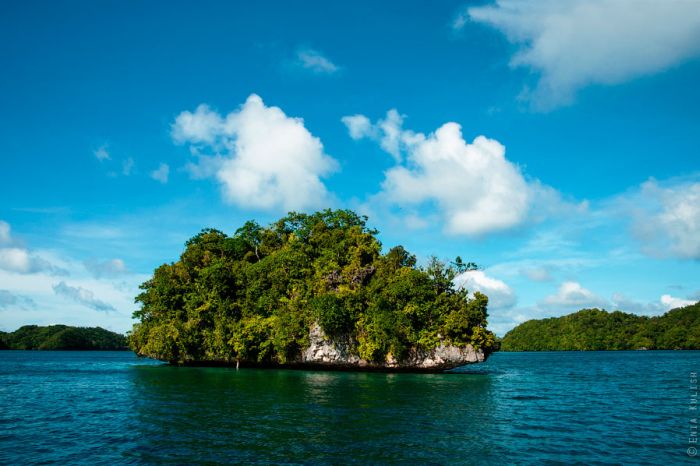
{"x":554,"y":143}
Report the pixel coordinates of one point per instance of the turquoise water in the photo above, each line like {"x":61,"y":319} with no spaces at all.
{"x":518,"y":408}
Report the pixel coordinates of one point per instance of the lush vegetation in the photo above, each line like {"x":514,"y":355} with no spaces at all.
{"x":593,"y":329}
{"x":62,"y":337}
{"x":253,"y":296}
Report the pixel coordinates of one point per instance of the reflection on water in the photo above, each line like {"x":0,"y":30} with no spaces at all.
{"x":112,"y":408}
{"x":262,"y":415}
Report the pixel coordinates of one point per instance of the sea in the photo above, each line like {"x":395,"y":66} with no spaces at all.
{"x":587,"y":408}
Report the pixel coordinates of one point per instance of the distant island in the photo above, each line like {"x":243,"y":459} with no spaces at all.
{"x":62,"y":337}
{"x":594,"y":330}
{"x":309,"y":291}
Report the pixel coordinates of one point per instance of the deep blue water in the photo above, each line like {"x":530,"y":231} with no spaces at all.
{"x":518,"y":408}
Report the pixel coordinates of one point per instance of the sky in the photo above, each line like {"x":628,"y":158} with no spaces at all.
{"x":553,"y":143}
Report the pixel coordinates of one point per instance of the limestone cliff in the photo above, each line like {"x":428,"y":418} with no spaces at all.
{"x":339,"y":353}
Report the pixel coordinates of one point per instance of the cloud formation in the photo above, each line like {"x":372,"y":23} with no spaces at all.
{"x":665,"y":218}
{"x":101,"y":153}
{"x":128,"y":166}
{"x":576,"y":43}
{"x":18,"y":259}
{"x":4,"y":232}
{"x":537,"y":273}
{"x":266,"y":160}
{"x":82,"y":296}
{"x":11,"y":301}
{"x":109,"y":268}
{"x":571,"y":296}
{"x":500,"y":294}
{"x":161,"y":173}
{"x":315,"y":61}
{"x":359,"y":126}
{"x":654,"y":308}
{"x":474,"y":187}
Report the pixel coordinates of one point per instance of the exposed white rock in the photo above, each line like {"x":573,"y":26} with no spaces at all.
{"x":339,"y":352}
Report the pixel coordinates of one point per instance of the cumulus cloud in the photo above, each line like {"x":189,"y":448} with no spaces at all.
{"x":571,"y":296}
{"x":18,"y":260}
{"x":109,"y":268}
{"x":267,"y":160}
{"x":101,"y":154}
{"x":665,"y":218}
{"x":82,"y":296}
{"x":500,"y":294}
{"x":475,"y":188}
{"x":359,"y":126}
{"x":388,"y":131}
{"x":204,"y":126}
{"x":9,"y":300}
{"x":161,"y":173}
{"x":14,"y":258}
{"x":671,"y":302}
{"x":573,"y":44}
{"x":665,"y":303}
{"x":315,"y":61}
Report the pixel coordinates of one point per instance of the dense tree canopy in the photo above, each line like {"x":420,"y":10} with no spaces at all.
{"x":62,"y":337}
{"x":254,"y":296}
{"x":593,"y":329}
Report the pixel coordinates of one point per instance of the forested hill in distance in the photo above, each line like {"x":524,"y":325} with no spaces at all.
{"x":62,"y":337}
{"x":596,"y":330}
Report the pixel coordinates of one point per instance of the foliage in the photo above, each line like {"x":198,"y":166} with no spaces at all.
{"x":62,"y":337}
{"x":593,"y":329}
{"x":254,"y":296}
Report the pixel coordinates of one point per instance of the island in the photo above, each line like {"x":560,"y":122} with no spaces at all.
{"x":309,"y":291}
{"x":598,"y":330}
{"x":62,"y":337}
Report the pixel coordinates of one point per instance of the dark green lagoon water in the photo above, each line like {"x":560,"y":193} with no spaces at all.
{"x":518,"y":408}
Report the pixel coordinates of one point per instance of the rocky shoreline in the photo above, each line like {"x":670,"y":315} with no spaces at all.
{"x":324,"y":353}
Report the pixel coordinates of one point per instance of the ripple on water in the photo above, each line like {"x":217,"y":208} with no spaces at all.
{"x":533,"y":408}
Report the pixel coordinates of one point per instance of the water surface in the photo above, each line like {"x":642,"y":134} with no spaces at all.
{"x":518,"y":408}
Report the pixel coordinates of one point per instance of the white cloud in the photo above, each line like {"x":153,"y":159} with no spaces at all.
{"x":654,"y":308}
{"x":204,"y":166}
{"x":573,"y":44}
{"x":15,"y":258}
{"x":671,"y":302}
{"x":101,"y":154}
{"x":204,"y":126}
{"x":666,"y":218}
{"x":109,"y":268}
{"x":475,"y":188}
{"x":500,"y":294}
{"x":23,"y":261}
{"x":4,"y":232}
{"x":82,"y":296}
{"x":13,"y":301}
{"x":393,"y":135}
{"x":315,"y":61}
{"x":571,"y":296}
{"x":388,"y":131}
{"x":537,"y":274}
{"x":271,"y":161}
{"x":161,"y":173}
{"x":359,"y":126}
{"x":128,"y":166}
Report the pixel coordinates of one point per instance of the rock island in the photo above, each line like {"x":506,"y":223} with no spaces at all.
{"x":309,"y":291}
